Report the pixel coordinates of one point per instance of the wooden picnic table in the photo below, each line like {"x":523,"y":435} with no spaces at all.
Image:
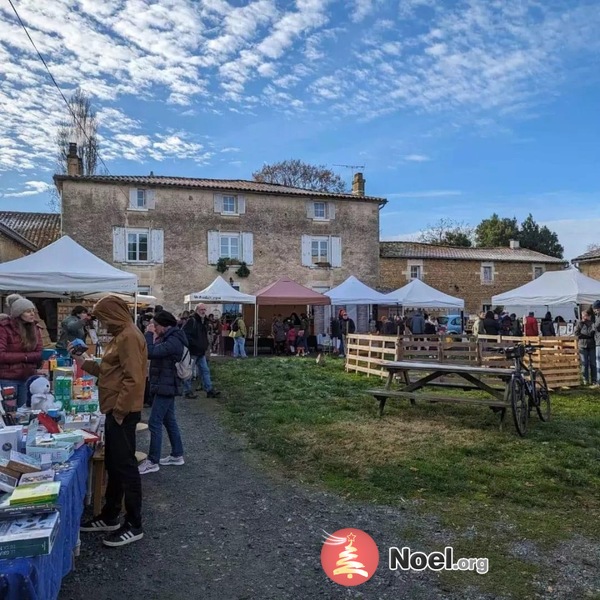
{"x":434,"y":371}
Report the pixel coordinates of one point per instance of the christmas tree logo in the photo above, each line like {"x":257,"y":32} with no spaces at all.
{"x":349,"y":556}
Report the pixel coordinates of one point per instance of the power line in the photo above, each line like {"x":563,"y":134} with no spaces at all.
{"x":75,"y":118}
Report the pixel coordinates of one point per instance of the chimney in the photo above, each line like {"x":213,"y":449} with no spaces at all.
{"x":358,"y":185}
{"x":74,"y":164}
{"x":514,"y":244}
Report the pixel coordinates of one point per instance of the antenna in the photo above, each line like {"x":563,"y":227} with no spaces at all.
{"x":354,"y":168}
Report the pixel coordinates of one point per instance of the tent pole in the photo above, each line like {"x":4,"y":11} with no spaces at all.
{"x":256,"y":329}
{"x":135,"y":308}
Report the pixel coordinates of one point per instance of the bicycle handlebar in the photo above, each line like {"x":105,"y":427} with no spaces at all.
{"x":528,"y":348}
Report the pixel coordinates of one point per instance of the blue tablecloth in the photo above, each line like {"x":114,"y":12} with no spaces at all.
{"x":40,"y":577}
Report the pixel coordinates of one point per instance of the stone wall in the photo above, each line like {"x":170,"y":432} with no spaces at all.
{"x":11,"y":250}
{"x":460,"y":278}
{"x":91,"y":210}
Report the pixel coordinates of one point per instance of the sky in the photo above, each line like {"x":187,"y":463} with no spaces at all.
{"x":452,"y":108}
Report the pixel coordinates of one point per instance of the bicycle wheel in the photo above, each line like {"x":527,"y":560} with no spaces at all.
{"x":519,"y":405}
{"x":542,"y":395}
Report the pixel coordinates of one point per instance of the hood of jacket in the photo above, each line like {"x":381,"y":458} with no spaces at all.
{"x":178,"y":333}
{"x":114,"y":314}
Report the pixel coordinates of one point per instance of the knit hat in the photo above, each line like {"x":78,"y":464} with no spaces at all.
{"x":166,"y":319}
{"x":596,"y":304}
{"x":18,"y":305}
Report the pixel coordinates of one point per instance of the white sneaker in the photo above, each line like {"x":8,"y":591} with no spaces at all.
{"x":147,"y":466}
{"x":174,"y":461}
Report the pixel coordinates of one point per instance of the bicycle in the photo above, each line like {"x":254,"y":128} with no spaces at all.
{"x":527,"y":387}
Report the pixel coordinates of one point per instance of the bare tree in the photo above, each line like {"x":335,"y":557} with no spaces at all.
{"x":447,"y":232}
{"x":296,"y":173}
{"x":79,"y":126}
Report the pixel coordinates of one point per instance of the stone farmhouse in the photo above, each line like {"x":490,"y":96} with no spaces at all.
{"x":589,"y":263}
{"x":172,"y":231}
{"x":22,"y":233}
{"x":474,"y":274}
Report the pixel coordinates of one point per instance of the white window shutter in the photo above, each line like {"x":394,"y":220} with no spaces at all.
{"x":310,"y":209}
{"x":157,"y":244}
{"x":213,"y":247}
{"x":248,"y":248}
{"x":119,"y":244}
{"x":133,"y":198}
{"x":336,"y":251}
{"x":150,"y":199}
{"x":331,"y":210}
{"x":242,"y":206}
{"x":306,"y":251}
{"x":218,"y":203}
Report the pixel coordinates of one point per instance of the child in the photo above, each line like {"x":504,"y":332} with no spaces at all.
{"x":290,"y":339}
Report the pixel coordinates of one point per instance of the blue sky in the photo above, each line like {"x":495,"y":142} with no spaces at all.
{"x":457,"y":108}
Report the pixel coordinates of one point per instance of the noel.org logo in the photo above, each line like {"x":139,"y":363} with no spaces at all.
{"x":349,"y":556}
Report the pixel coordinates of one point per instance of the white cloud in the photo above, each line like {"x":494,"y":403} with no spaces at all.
{"x":416,"y":158}
{"x":32,"y":188}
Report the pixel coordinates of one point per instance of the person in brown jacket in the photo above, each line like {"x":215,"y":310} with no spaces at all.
{"x":121,"y":380}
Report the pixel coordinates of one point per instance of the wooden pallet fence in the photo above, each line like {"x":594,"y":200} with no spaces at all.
{"x":558,"y":359}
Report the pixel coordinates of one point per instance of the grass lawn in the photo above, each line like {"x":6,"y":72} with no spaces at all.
{"x":491,"y":489}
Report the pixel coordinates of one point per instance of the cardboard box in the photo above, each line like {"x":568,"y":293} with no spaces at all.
{"x":31,"y":535}
{"x":53,"y":451}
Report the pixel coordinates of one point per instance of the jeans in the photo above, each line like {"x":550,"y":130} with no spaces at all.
{"x":597,"y":362}
{"x":163,"y":413}
{"x":122,"y":468}
{"x":239,"y":347}
{"x":341,"y":347}
{"x":588,"y":363}
{"x":204,"y":372}
{"x":20,"y":388}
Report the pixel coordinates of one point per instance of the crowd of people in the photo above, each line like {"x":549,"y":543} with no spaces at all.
{"x":494,"y":323}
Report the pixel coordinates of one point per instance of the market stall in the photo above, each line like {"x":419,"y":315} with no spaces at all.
{"x":286,"y":292}
{"x":417,"y":294}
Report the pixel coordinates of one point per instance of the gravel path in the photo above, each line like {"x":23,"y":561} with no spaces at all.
{"x":221,"y":528}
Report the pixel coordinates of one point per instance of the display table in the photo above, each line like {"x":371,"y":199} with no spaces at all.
{"x":40,"y":577}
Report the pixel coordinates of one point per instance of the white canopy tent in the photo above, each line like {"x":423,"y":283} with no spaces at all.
{"x":553,"y":288}
{"x":64,"y":268}
{"x":354,"y":291}
{"x":220,"y":292}
{"x":418,"y":294}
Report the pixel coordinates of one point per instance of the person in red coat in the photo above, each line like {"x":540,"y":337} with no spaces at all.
{"x":531,"y":326}
{"x":20,"y":346}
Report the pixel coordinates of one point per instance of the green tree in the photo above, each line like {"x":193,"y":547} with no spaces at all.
{"x":540,"y":239}
{"x":495,"y":232}
{"x":296,"y":173}
{"x":447,"y":232}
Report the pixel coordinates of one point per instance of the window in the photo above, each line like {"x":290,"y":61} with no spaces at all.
{"x":415,"y":271}
{"x":320,"y":250}
{"x":230,"y":204}
{"x":138,"y":245}
{"x":487,"y":273}
{"x":145,"y":290}
{"x":229,"y":246}
{"x":538,"y":271}
{"x":239,"y":246}
{"x":141,"y":199}
{"x":320,"y":211}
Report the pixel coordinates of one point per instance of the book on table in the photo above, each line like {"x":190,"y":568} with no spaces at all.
{"x":29,"y":535}
{"x":12,"y":512}
{"x":23,"y":463}
{"x":35,"y":493}
{"x":7,"y":483}
{"x":46,"y":476}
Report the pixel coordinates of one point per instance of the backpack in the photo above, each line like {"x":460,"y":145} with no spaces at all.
{"x":235,"y":326}
{"x":185,"y":367}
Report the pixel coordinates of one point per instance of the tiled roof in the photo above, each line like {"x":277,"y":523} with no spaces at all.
{"x":40,"y":229}
{"x":419,"y":250}
{"x":591,"y":255}
{"x":236,"y":185}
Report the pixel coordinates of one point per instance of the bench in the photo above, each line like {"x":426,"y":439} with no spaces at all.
{"x":434,"y":370}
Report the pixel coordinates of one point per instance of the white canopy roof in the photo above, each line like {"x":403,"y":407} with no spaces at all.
{"x":64,"y":268}
{"x":553,"y":288}
{"x":220,"y":291}
{"x":418,"y":294}
{"x":354,"y":291}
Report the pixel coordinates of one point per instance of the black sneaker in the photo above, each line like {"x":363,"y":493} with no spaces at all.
{"x":125,"y":535}
{"x":100,"y":524}
{"x":213,"y":394}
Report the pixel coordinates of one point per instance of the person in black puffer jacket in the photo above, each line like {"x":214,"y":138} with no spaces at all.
{"x":166,"y":344}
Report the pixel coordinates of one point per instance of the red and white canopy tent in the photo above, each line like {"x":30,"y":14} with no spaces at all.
{"x":285,"y":292}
